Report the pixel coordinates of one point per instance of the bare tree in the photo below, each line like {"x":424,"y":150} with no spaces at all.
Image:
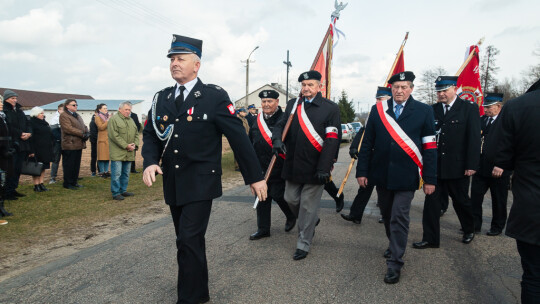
{"x":510,"y":89}
{"x":532,"y":74}
{"x":489,"y":68}
{"x":426,"y":89}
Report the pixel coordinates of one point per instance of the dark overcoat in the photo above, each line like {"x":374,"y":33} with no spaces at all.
{"x":518,"y":146}
{"x":263,"y":149}
{"x":390,"y":167}
{"x":18,"y":124}
{"x":42,"y":140}
{"x":303,"y":160}
{"x":489,"y":142}
{"x":191,"y":161}
{"x":458,"y":147}
{"x":6,"y":160}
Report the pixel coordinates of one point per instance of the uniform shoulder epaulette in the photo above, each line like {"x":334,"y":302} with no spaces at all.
{"x":213,"y":86}
{"x":167,"y":88}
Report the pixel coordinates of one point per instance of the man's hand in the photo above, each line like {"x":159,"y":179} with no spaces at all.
{"x":322,"y":177}
{"x":429,"y":189}
{"x":149,"y":174}
{"x":497,"y":172}
{"x":130,"y":147}
{"x":259,"y":189}
{"x":278,"y":147}
{"x":353,"y":153}
{"x":31,"y":155}
{"x":470,"y":172}
{"x":362,"y":181}
{"x":25,"y":136}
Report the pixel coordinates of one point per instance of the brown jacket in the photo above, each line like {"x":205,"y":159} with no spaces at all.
{"x":102,"y":139}
{"x":72,"y":131}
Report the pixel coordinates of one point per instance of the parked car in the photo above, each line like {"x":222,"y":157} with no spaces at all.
{"x":346,"y":133}
{"x":357,"y":126}
{"x":352,"y":129}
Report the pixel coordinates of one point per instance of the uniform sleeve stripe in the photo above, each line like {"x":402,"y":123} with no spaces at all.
{"x":430,"y":145}
{"x":428,"y":139}
{"x":331,"y":130}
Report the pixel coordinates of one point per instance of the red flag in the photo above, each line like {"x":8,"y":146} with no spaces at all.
{"x":323,"y":62}
{"x":469,"y":87}
{"x":399,"y":67}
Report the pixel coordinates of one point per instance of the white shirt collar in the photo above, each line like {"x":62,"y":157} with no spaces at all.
{"x":493,"y":118}
{"x":451,"y":104}
{"x":395,"y":104}
{"x":188,"y":85}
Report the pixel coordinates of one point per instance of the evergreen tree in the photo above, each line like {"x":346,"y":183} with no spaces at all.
{"x":346,"y":109}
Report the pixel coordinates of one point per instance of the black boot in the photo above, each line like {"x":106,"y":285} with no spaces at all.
{"x":37,"y":188}
{"x":3,"y":211}
{"x":42,"y":186}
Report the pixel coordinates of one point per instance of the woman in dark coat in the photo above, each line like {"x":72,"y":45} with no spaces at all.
{"x":42,"y":144}
{"x":6,"y":160}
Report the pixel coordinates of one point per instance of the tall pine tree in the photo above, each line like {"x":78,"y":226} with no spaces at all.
{"x":346,"y":109}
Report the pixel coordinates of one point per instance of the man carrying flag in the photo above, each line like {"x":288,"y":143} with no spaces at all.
{"x":458,"y":139}
{"x":311,"y":145}
{"x":398,"y":150}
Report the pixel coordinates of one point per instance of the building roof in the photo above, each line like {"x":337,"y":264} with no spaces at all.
{"x":255,"y":94}
{"x":30,"y":99}
{"x":90,"y":104}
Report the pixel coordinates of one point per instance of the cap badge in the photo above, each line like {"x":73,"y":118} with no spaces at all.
{"x":439,"y":79}
{"x":265,"y":94}
{"x":402,"y":76}
{"x":173,"y":38}
{"x":306,"y":76}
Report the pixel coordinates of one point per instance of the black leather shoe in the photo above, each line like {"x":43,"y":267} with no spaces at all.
{"x":493,"y":232}
{"x":259,"y":235}
{"x":125,"y":194}
{"x":387,"y":253}
{"x":392,"y":276}
{"x":467,"y":238}
{"x":289,"y":224}
{"x":11,"y":197}
{"x":37,"y":188}
{"x":340,"y":202}
{"x":203,"y":299}
{"x":349,"y":218}
{"x":424,"y":245}
{"x":18,"y":194}
{"x":381,"y":221}
{"x":71,"y":187}
{"x":299,"y":254}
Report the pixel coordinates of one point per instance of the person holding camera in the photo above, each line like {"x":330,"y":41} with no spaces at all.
{"x":74,"y":137}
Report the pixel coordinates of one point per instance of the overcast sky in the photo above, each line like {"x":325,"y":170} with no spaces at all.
{"x":116,"y":49}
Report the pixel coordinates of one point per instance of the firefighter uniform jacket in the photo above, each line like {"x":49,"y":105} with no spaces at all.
{"x":191,"y":161}
{"x":303,"y":160}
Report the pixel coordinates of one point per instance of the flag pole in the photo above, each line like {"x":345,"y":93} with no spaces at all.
{"x":471,"y":55}
{"x":397,"y":58}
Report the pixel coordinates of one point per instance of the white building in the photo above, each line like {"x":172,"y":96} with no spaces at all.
{"x":253,"y":97}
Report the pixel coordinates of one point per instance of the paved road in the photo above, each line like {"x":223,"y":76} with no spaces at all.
{"x":345,"y":264}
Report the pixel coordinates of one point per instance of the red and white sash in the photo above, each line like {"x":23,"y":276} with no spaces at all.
{"x":401,"y":138}
{"x":312,"y":135}
{"x":263,"y":127}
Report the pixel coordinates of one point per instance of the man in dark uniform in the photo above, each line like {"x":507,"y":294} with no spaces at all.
{"x":483,"y":180}
{"x":184,"y":131}
{"x":260,"y":134}
{"x":364,"y":193}
{"x":518,"y":143}
{"x":458,"y":153}
{"x":251,"y":115}
{"x":398,"y":149}
{"x":311,"y":147}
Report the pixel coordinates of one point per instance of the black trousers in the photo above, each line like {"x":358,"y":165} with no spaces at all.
{"x":12,"y":180}
{"x":395,"y":207}
{"x":360,"y":202}
{"x":530,"y":281}
{"x":71,"y":164}
{"x":133,"y":170}
{"x":276,"y":192}
{"x":190,"y":224}
{"x":93,"y":156}
{"x":458,"y":189}
{"x":57,"y":155}
{"x":331,"y":188}
{"x":499,"y":196}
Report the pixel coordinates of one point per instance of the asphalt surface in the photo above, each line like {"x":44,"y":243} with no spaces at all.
{"x":345,"y":264}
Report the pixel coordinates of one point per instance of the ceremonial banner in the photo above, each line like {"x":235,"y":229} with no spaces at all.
{"x":469,"y":87}
{"x":323,"y":62}
{"x":399,"y":62}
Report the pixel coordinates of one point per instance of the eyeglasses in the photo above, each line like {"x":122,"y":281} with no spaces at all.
{"x":73,"y":105}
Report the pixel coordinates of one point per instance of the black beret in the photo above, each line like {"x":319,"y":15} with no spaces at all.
{"x":310,"y":75}
{"x":269,"y":94}
{"x":403,"y":76}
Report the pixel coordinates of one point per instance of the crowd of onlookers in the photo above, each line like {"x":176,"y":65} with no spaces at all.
{"x":30,"y":145}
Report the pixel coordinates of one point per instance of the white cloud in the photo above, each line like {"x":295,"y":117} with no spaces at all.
{"x":19,"y":56}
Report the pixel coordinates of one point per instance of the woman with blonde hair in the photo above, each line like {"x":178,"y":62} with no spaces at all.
{"x":41,"y":145}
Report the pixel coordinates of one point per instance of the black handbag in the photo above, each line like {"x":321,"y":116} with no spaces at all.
{"x":33,"y":168}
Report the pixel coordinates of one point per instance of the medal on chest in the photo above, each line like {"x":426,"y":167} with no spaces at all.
{"x":190,"y":112}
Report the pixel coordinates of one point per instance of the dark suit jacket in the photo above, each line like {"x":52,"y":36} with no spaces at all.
{"x":489,"y":142}
{"x":518,"y":146}
{"x":458,"y":146}
{"x":390,"y":167}
{"x":192,"y":161}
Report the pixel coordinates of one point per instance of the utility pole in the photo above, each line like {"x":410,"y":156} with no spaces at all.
{"x":247,"y":74}
{"x":289,"y":65}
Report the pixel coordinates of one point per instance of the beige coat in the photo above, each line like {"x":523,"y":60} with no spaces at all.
{"x":72,"y":131}
{"x":102,"y":139}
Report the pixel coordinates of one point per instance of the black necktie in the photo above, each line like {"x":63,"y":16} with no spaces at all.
{"x":490,"y":120}
{"x":447,"y":109}
{"x":180,"y":99}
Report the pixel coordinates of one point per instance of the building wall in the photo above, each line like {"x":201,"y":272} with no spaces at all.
{"x":253,"y":98}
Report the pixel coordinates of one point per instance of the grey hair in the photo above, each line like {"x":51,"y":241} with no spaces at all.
{"x":125,"y":103}
{"x":411,"y":84}
{"x":36,"y":111}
